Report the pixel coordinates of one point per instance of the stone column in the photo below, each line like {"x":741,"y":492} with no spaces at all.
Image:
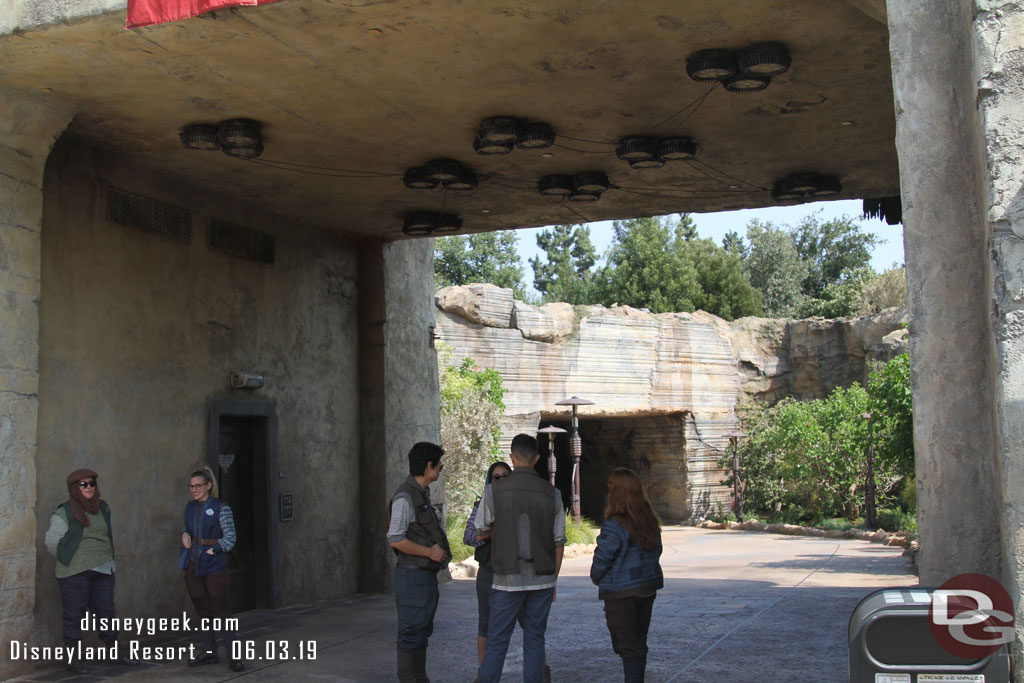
{"x":957,"y":74}
{"x":27,"y":131}
{"x":398,"y":384}
{"x":999,"y":69}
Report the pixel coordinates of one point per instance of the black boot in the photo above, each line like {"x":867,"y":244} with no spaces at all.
{"x":406,"y":666}
{"x":116,"y":656}
{"x":206,"y":651}
{"x":421,"y":666}
{"x":75,"y":665}
{"x":634,"y":668}
{"x":229,"y":638}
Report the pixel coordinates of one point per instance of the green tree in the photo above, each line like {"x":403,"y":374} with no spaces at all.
{"x":471,"y":408}
{"x":893,"y":414}
{"x":645,"y":270}
{"x":775,"y":268}
{"x":734,"y":244}
{"x":483,"y":257}
{"x":881,"y":291}
{"x":686,"y":229}
{"x":725,"y":289}
{"x":831,"y":250}
{"x":838,"y":299}
{"x":567,"y":274}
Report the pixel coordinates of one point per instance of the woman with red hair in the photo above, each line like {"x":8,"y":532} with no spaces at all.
{"x":626,"y":568}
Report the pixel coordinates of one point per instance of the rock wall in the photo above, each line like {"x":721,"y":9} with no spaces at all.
{"x":686,"y":372}
{"x":27,"y":131}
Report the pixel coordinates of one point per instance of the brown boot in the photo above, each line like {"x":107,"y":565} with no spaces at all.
{"x":406,"y":666}
{"x":421,"y":666}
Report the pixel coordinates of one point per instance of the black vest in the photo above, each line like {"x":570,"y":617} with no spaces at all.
{"x":523,"y":492}
{"x":424,"y":528}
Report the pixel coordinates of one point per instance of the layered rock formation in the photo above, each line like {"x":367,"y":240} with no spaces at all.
{"x":665,"y":387}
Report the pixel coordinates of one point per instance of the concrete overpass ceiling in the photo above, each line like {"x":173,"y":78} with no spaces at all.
{"x":387,"y":85}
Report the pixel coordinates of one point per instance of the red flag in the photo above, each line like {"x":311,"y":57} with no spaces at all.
{"x":149,"y":12}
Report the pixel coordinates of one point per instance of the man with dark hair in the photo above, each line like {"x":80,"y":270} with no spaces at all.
{"x":418,"y":538}
{"x":523,"y":516}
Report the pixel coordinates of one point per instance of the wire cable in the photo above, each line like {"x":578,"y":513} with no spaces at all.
{"x":697,"y":102}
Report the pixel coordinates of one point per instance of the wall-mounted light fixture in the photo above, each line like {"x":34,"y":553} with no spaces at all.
{"x":443,"y":170}
{"x":744,"y":82}
{"x":800,"y":185}
{"x":555,"y":185}
{"x":747,"y":70}
{"x":535,"y":136}
{"x":591,"y":181}
{"x":465,"y":181}
{"x":448,"y":222}
{"x":240,"y":138}
{"x":677,"y":149}
{"x":422,"y":223}
{"x":245,"y":380}
{"x":766,"y":59}
{"x":642,"y":151}
{"x":199,"y":136}
{"x":498,"y":129}
{"x":500,"y":134}
{"x":485,"y":148}
{"x":711,"y":65}
{"x":417,"y":178}
{"x":451,"y":174}
{"x":636,"y":148}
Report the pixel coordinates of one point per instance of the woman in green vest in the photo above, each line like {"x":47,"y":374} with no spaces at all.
{"x":80,"y":538}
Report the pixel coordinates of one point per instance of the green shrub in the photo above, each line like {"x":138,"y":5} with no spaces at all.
{"x":895,"y":520}
{"x":586,"y":533}
{"x":806,"y":461}
{"x":840,"y":524}
{"x":454,"y":528}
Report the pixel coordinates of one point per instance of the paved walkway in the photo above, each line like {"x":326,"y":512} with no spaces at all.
{"x":737,"y":606}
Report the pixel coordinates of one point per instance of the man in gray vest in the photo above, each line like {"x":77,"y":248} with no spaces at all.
{"x":523,"y":516}
{"x":418,"y":538}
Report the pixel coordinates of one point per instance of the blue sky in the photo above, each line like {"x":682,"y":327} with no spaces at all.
{"x":715,"y":225}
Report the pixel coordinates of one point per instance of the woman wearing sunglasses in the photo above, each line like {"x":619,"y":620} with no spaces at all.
{"x":80,"y":537}
{"x":208,"y":536}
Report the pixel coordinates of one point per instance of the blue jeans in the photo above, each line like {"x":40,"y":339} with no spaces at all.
{"x":505,"y":606}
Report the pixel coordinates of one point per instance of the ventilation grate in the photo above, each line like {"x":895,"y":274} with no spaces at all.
{"x":242,"y":242}
{"x":149,"y":215}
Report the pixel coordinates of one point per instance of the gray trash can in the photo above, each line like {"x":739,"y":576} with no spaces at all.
{"x":891,"y":642}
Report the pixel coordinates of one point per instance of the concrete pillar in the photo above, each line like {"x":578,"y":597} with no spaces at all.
{"x":28,"y":129}
{"x":398,"y":384}
{"x":958,"y":69}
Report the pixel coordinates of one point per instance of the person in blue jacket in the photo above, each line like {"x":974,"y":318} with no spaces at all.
{"x":626,"y":569}
{"x":208,"y":536}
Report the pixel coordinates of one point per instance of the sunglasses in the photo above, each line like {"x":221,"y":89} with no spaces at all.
{"x":495,"y":477}
{"x":87,"y":484}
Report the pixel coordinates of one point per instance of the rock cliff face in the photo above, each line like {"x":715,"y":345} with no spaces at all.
{"x":665,"y":387}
